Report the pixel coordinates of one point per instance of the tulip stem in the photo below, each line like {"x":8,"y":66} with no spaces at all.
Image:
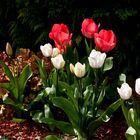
{"x":96,"y":77}
{"x":90,"y":44}
{"x":80,"y":87}
{"x":57,"y":80}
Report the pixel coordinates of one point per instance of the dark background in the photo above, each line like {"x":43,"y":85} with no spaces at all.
{"x":26,"y":24}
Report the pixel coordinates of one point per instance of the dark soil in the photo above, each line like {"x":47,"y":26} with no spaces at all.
{"x":112,"y":130}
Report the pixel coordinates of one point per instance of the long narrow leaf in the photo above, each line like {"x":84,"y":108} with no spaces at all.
{"x":52,"y":137}
{"x":65,"y":127}
{"x":69,"y":91}
{"x":12,"y":88}
{"x":9,"y":101}
{"x":22,"y":80}
{"x":101,"y":97}
{"x":93,"y":125}
{"x":42,"y":71}
{"x":7,"y":72}
{"x":68,"y":108}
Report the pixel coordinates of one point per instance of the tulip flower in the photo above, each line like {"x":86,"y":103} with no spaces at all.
{"x":58,"y":61}
{"x":89,"y":27}
{"x":105,"y":40}
{"x":46,"y":49}
{"x":55,"y":52}
{"x":125,"y":91}
{"x":96,"y":59}
{"x":137,"y":86}
{"x":61,"y":36}
{"x":79,"y":69}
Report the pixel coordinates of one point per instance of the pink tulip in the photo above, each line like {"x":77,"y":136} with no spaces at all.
{"x":89,"y":27}
{"x":61,"y":36}
{"x":105,"y":40}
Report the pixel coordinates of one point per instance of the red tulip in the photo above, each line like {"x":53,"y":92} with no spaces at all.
{"x":89,"y":27}
{"x":61,"y":36}
{"x":105,"y":40}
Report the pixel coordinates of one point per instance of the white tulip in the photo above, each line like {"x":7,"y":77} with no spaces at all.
{"x":79,"y":70}
{"x":137,"y":86}
{"x":58,"y":61}
{"x":46,"y":49}
{"x":55,"y":52}
{"x":96,"y":59}
{"x":125,"y":91}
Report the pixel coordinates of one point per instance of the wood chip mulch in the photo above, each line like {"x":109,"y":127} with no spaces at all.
{"x":29,"y":130}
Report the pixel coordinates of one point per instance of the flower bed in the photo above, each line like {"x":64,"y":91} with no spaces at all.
{"x":64,"y":90}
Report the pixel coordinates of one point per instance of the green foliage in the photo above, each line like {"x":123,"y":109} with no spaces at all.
{"x":131,"y":114}
{"x":80,"y":100}
{"x":16,"y":86}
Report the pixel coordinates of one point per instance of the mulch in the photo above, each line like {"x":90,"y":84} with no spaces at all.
{"x":29,"y":130}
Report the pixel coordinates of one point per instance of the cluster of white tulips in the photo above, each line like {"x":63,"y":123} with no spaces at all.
{"x":96,"y":60}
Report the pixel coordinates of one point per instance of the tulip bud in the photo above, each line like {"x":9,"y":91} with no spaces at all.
{"x":72,"y":68}
{"x":46,"y":49}
{"x":9,"y":50}
{"x":125,"y":91}
{"x":58,"y":61}
{"x":96,"y":59}
{"x":79,"y":70}
{"x":137,"y":86}
{"x":55,"y":52}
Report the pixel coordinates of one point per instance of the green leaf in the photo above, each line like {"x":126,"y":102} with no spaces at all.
{"x":5,"y":85}
{"x":51,"y":137}
{"x":39,"y":97}
{"x":17,"y":120}
{"x":7,"y":72}
{"x":125,"y":111}
{"x":68,"y":108}
{"x":65,"y":127}
{"x":22,"y":81}
{"x":122,"y":78}
{"x":111,"y":109}
{"x":53,"y":76}
{"x":37,"y":116}
{"x":69,"y":90}
{"x":87,"y":94}
{"x":42,"y":71}
{"x":95,"y":124}
{"x":108,"y":64}
{"x":101,"y":97}
{"x":8,"y":100}
{"x":130,"y":133}
{"x":47,"y":111}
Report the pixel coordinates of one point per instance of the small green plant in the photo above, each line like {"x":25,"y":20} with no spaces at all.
{"x":130,"y":107}
{"x":16,"y":87}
